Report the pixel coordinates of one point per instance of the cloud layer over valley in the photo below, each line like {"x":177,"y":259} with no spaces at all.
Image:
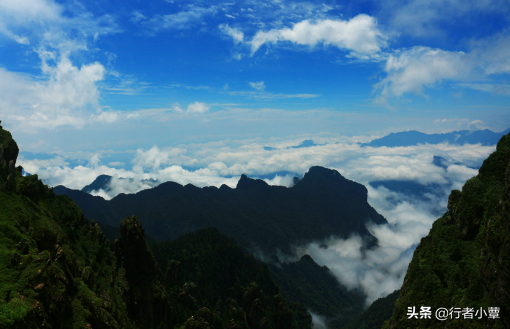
{"x":379,"y":271}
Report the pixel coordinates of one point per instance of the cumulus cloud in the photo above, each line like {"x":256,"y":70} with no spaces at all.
{"x":415,"y":68}
{"x":411,"y":70}
{"x":65,"y":93}
{"x":359,"y":35}
{"x":60,"y":100}
{"x":197,"y":107}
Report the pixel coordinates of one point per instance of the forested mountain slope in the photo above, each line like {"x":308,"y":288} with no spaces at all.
{"x":463,"y":264}
{"x":57,"y":270}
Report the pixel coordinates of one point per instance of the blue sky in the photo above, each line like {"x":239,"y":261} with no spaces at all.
{"x":198,"y":72}
{"x":192,"y":92}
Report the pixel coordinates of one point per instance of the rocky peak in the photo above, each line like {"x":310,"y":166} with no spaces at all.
{"x":8,"y":156}
{"x":246,"y":183}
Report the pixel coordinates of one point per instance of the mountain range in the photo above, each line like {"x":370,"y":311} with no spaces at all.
{"x":409,"y":138}
{"x":60,"y":271}
{"x":258,"y":216}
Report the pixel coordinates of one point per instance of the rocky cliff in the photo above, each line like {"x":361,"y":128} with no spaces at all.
{"x":463,"y":264}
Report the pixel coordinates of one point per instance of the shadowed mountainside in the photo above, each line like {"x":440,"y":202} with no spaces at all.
{"x":58,"y":270}
{"x":464,"y":261}
{"x":315,"y":287}
{"x":255,"y":214}
{"x":374,"y":317}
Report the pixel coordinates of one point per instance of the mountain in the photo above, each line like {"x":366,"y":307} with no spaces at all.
{"x":102,"y":182}
{"x":463,"y":264}
{"x":374,"y":317}
{"x":409,"y":138}
{"x":255,"y":214}
{"x":57,"y":270}
{"x":305,"y":143}
{"x":223,"y":274}
{"x":315,"y":287}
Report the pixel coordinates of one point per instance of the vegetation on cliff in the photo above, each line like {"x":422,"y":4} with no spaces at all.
{"x":315,"y":287}
{"x":464,"y":261}
{"x":223,"y":274}
{"x":378,"y":312}
{"x":57,"y":270}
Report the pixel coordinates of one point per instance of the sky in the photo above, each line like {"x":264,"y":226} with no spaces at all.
{"x":200,"y":92}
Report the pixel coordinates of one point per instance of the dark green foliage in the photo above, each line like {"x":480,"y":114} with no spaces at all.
{"x":376,"y":314}
{"x":464,"y":261}
{"x":315,"y":287}
{"x":255,"y":214}
{"x":221,"y":277}
{"x":147,"y":299}
{"x":58,"y":269}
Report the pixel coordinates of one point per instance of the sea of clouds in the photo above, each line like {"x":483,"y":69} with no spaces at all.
{"x":377,"y":272}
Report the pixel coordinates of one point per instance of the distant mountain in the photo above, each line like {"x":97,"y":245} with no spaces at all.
{"x":102,"y":182}
{"x":463,"y":263}
{"x":322,"y":204}
{"x":409,"y":138}
{"x":409,"y":188}
{"x":305,"y":143}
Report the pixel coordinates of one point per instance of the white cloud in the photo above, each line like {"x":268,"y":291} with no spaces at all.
{"x":360,"y":35}
{"x":181,"y":20}
{"x":60,"y":100}
{"x":116,"y":164}
{"x":379,"y":271}
{"x":410,"y":70}
{"x":197,"y":107}
{"x":65,"y":93}
{"x":258,"y":85}
{"x":236,"y":35}
{"x":425,"y":17}
{"x":137,"y":16}
{"x":417,"y":67}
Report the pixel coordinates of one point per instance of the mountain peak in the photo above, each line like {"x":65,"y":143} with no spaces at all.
{"x":322,"y":175}
{"x":246,"y":183}
{"x":100,"y":183}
